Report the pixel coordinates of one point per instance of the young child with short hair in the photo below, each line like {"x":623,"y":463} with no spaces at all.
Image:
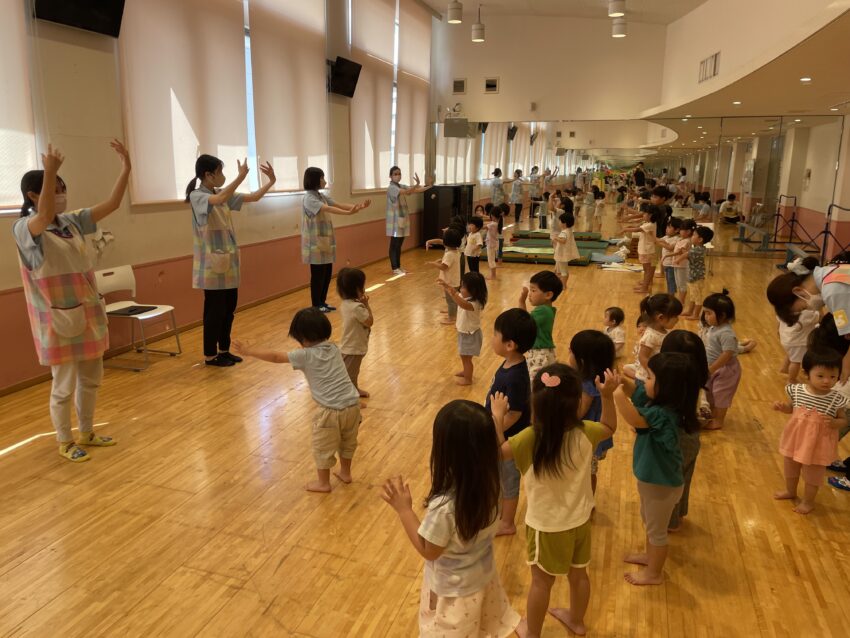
{"x":513,"y":334}
{"x":460,"y":585}
{"x":565,"y":246}
{"x":721,"y":348}
{"x":542,"y":291}
{"x":662,"y":313}
{"x":493,"y":230}
{"x":613,"y":322}
{"x":449,"y":267}
{"x":794,"y":340}
{"x":679,"y":260}
{"x":555,"y":457}
{"x":357,"y":321}
{"x":335,"y":429}
{"x":696,"y":271}
{"x":470,"y":300}
{"x":474,"y":242}
{"x":668,"y":244}
{"x":646,"y":244}
{"x":809,"y":441}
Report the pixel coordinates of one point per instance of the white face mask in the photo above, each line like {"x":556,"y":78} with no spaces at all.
{"x":59,"y":203}
{"x":814,"y":302}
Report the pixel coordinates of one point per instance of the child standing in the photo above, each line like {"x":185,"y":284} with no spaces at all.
{"x":335,"y":429}
{"x":598,"y":211}
{"x":493,"y":227}
{"x":696,"y":270}
{"x":513,"y":334}
{"x":680,"y":255}
{"x":646,"y":245}
{"x":474,"y":242}
{"x":658,"y":410}
{"x":554,"y":457}
{"x":662,"y":313}
{"x":794,"y":340}
{"x":542,"y":291}
{"x":565,"y":247}
{"x":688,"y":343}
{"x":613,"y":322}
{"x":461,"y":591}
{"x":721,"y":347}
{"x":809,"y":441}
{"x":449,"y":267}
{"x":591,"y":354}
{"x":668,"y":246}
{"x":516,"y":195}
{"x":357,"y":321}
{"x":470,"y":300}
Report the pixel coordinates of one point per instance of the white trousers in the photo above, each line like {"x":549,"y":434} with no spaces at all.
{"x":85,"y":378}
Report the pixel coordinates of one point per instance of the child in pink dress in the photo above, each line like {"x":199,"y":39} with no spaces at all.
{"x":809,"y":441}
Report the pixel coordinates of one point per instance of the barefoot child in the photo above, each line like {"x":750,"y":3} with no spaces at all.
{"x":357,"y":321}
{"x":335,"y":429}
{"x":542,"y":291}
{"x":613,"y":322}
{"x":794,"y":339}
{"x":646,"y":244}
{"x":658,"y":410}
{"x":449,"y":267}
{"x":721,"y":347}
{"x":493,"y":231}
{"x":680,"y":256}
{"x":809,"y":441}
{"x":461,"y":592}
{"x":474,"y":242}
{"x":565,"y":247}
{"x":513,"y":334}
{"x":470,"y":300}
{"x":696,"y":271}
{"x":662,"y":312}
{"x":555,"y":457}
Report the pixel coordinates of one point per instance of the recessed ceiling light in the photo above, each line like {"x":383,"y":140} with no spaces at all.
{"x":805,"y":79}
{"x":737,"y":103}
{"x":769,"y":128}
{"x":798,"y":120}
{"x":834,"y":108}
{"x":689,"y":116}
{"x":700,"y":126}
{"x":684,"y":119}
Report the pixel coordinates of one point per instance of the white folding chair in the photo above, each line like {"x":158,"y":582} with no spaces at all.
{"x":121,"y":279}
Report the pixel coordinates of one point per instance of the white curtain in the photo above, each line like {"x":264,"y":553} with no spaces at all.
{"x":289,"y":85}
{"x":495,"y":149}
{"x":521,"y":150}
{"x":183,"y":76}
{"x":454,"y":160}
{"x":17,"y":132}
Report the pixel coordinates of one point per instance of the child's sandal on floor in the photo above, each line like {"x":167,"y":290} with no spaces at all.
{"x":73,"y":452}
{"x":91,"y":438}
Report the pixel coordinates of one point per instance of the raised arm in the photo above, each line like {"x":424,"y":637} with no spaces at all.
{"x":397,"y":495}
{"x":227,"y":192}
{"x":267,"y":170}
{"x":266,"y":355}
{"x":628,"y":411}
{"x":455,"y":294}
{"x":346,"y":209}
{"x":46,"y":213}
{"x":607,"y":385}
{"x":103,"y":209}
{"x":416,"y":188}
{"x":523,"y":296}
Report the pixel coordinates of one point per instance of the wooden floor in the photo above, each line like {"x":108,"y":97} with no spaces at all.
{"x":196,"y":524}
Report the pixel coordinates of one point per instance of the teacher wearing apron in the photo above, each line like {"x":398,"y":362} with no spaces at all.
{"x":318,"y":244}
{"x":67,"y":317}
{"x":398,"y":217}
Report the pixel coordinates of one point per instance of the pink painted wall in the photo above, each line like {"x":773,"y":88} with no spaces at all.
{"x":269,"y":269}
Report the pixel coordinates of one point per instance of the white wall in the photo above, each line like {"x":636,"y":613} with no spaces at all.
{"x":748,"y":34}
{"x":570,"y":67}
{"x":821,"y":158}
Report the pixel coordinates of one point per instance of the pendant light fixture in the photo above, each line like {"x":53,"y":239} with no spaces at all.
{"x":616,"y":8}
{"x":455,"y":12}
{"x":478,"y":28}
{"x":618,"y":28}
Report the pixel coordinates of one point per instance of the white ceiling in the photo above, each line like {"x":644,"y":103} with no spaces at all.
{"x":652,"y":11}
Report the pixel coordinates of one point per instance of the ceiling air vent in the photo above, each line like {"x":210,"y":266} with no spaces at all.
{"x":459,"y":87}
{"x":709,"y":67}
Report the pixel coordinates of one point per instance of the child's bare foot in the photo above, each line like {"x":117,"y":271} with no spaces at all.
{"x":463,"y":381}
{"x":490,"y":278}
{"x":363,"y":404}
{"x":638,"y":558}
{"x":363,"y":394}
{"x":748,"y":345}
{"x":444,"y":311}
{"x":784,"y":495}
{"x":804,"y":508}
{"x":345,"y":477}
{"x":506,"y":529}
{"x":316,"y":486}
{"x":522,"y":628}
{"x":643,"y":577}
{"x":673,"y":530}
{"x":712,"y":425}
{"x":448,"y":321}
{"x":459,"y":374}
{"x":566,"y":619}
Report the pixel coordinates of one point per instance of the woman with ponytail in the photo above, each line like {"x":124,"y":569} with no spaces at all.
{"x":215,"y":264}
{"x":67,"y":318}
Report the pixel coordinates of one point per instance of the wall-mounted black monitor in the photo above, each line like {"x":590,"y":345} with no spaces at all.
{"x":100,"y":16}
{"x":344,"y":76}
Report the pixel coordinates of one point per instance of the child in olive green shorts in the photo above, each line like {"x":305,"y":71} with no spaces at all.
{"x":557,"y":485}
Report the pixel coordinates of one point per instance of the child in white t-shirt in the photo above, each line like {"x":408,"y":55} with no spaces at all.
{"x":474,"y":242}
{"x":449,"y":267}
{"x":470,"y":300}
{"x":646,"y":245}
{"x":357,"y":322}
{"x":564,"y":243}
{"x":613,"y":322}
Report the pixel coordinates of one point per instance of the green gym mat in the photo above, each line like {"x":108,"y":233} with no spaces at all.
{"x":540,"y":255}
{"x":547,"y":243}
{"x":539,"y":234}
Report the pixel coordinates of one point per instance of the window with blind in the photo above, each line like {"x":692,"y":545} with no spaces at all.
{"x":494,"y":153}
{"x":413,"y":81}
{"x":454,"y":160}
{"x":289,"y":87}
{"x":184,"y":91}
{"x":17,"y":131}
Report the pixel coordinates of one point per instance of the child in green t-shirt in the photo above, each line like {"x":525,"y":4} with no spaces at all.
{"x":542,"y":291}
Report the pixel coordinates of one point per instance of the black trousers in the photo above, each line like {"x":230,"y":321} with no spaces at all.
{"x":320,"y":281}
{"x":517,"y":212}
{"x":219,"y":306}
{"x":472,"y":262}
{"x":395,"y":252}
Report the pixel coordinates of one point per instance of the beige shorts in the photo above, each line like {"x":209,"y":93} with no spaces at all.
{"x":696,"y":291}
{"x":335,"y":431}
{"x":646,"y":258}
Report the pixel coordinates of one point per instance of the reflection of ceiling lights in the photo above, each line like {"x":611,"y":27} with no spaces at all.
{"x":798,"y":120}
{"x":805,"y":80}
{"x":618,"y":28}
{"x":455,"y":13}
{"x":684,"y":119}
{"x":700,"y":126}
{"x":737,"y":102}
{"x":616,"y":8}
{"x":833,"y":108}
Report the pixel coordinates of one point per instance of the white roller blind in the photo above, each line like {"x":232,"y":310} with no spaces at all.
{"x":414,"y":39}
{"x":454,"y":158}
{"x":411,"y":125}
{"x":17,"y":133}
{"x":289,"y":86}
{"x":183,"y":76}
{"x":495,"y":148}
{"x":521,"y":149}
{"x":370,"y":122}
{"x":372,"y":24}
